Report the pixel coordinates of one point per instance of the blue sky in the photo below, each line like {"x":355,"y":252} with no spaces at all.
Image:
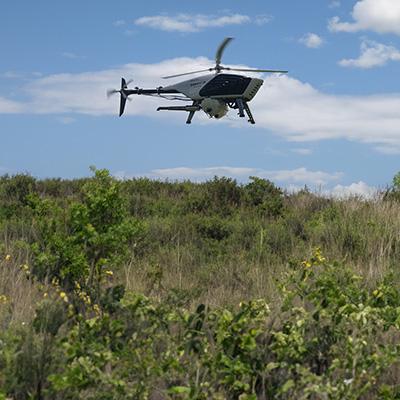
{"x":333,"y":123}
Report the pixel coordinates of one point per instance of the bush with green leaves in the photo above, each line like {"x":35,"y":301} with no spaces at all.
{"x":27,"y":352}
{"x":332,"y":342}
{"x":393,"y":191}
{"x":147,"y":348}
{"x":14,"y":194}
{"x":328,"y":339}
{"x":81,"y":240}
{"x":396,"y":182}
{"x":265,"y":196}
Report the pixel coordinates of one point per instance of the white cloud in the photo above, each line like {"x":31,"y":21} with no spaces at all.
{"x":71,"y":56}
{"x":194,"y":23}
{"x":20,"y":75}
{"x":311,"y":40}
{"x":300,"y":176}
{"x":164,"y":23}
{"x":299,"y":112}
{"x":263,"y":19}
{"x":302,"y":151}
{"x":9,"y":106}
{"x":285,"y":106}
{"x":334,"y":4}
{"x":373,"y":54}
{"x":11,"y":75}
{"x":66,"y":120}
{"x":359,"y":189}
{"x":382,"y":16}
{"x":389,"y":150}
{"x":119,"y":22}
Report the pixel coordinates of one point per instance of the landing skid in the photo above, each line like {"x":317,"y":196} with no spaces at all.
{"x":243,"y":107}
{"x":249,"y":114}
{"x":190,"y":109}
{"x":239,"y":105}
{"x":190,"y":117}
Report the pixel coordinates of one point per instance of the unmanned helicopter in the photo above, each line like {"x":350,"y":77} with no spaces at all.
{"x":212,"y":93}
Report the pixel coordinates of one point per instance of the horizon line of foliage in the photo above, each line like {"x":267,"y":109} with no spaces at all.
{"x":331,"y":335}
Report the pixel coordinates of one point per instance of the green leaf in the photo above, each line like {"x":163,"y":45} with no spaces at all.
{"x":287,"y":386}
{"x":179,"y":390}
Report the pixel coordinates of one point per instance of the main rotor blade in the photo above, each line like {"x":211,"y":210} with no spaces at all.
{"x":187,"y":73}
{"x":255,"y":70}
{"x":221,"y":48}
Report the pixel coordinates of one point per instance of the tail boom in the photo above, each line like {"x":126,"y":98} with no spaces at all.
{"x":125,"y":92}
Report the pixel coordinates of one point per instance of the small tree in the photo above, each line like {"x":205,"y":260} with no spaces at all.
{"x":80,"y":241}
{"x":223,"y":194}
{"x":265,"y":196}
{"x":393,"y":193}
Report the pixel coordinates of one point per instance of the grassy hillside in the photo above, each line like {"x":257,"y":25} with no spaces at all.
{"x":162,"y":290}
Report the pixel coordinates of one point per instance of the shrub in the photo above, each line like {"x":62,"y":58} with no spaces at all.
{"x":213,"y":228}
{"x":223,"y":195}
{"x":326,"y":340}
{"x":393,"y":193}
{"x":82,"y":240}
{"x":14,"y":194}
{"x":264,"y":196}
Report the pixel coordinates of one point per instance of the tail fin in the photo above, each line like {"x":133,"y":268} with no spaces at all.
{"x":124,"y":96}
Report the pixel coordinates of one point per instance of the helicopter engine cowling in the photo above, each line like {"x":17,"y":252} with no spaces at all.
{"x":214,"y":108}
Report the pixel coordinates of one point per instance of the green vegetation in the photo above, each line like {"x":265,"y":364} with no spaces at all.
{"x":141,"y":289}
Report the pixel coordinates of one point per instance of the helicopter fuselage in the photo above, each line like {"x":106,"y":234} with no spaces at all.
{"x":218,"y":86}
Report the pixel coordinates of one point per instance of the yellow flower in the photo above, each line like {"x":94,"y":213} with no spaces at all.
{"x":306,"y":264}
{"x":96,"y":308}
{"x":109,"y":273}
{"x":3,"y":299}
{"x":45,"y":294}
{"x":85,"y":297}
{"x":55,"y":282}
{"x":377,"y":293}
{"x":64,"y":297}
{"x":7,"y":257}
{"x":318,"y":255}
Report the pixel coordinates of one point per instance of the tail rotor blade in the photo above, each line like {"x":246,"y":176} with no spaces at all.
{"x":110,"y":92}
{"x":122,"y":105}
{"x":124,"y":96}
